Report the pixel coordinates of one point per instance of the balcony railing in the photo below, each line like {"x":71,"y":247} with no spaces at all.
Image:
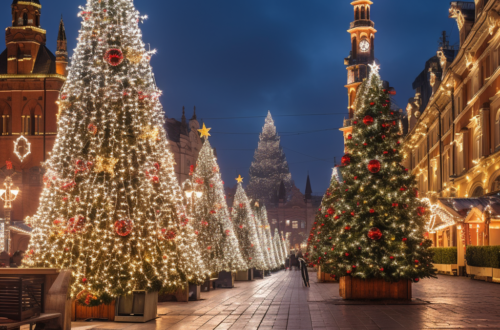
{"x":362,"y":23}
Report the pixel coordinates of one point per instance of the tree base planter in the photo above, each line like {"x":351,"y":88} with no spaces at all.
{"x":258,"y":273}
{"x":325,"y":277}
{"x":190,"y":292}
{"x":354,"y":288}
{"x":82,"y":312}
{"x":210,"y":283}
{"x":245,"y":275}
{"x":484,"y":273}
{"x":140,"y":307}
{"x":446,"y":269}
{"x":225,"y":280}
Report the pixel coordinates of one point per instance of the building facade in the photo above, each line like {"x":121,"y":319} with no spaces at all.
{"x":31,"y":77}
{"x":453,"y":147}
{"x":185,"y":143}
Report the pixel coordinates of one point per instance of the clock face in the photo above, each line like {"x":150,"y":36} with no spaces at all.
{"x":364,"y":46}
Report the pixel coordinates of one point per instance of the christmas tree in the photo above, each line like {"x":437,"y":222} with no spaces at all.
{"x":210,"y":215}
{"x":268,"y":239}
{"x":246,"y":229}
{"x":278,"y":248}
{"x":261,"y":231}
{"x":285,"y":245}
{"x":111,"y":209}
{"x":374,"y":222}
{"x":269,"y":166}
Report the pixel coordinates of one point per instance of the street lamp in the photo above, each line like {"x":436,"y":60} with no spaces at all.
{"x":191,"y":194}
{"x":8,"y":195}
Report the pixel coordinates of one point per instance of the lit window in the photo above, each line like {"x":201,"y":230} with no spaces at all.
{"x":288,"y":222}
{"x":295,"y":224}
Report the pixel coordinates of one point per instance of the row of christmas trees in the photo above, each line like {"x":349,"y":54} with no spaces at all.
{"x":111,"y":209}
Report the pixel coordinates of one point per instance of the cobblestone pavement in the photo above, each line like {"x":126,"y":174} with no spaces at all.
{"x":281,"y":302}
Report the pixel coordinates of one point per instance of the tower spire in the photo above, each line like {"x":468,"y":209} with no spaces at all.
{"x":308,"y":194}
{"x":62,"y":50}
{"x":194,"y":114}
{"x":183,"y":115}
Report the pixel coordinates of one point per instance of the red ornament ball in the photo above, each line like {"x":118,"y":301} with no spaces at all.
{"x":347,"y":228}
{"x":114,"y":57}
{"x":84,"y":280}
{"x":368,"y":120}
{"x":391,"y":257}
{"x":372,"y":211}
{"x":381,"y":269}
{"x":375,"y":234}
{"x":124,"y":227}
{"x":346,"y":160}
{"x":417,"y":280}
{"x":374,"y":166}
{"x":420,"y":211}
{"x":349,"y":137}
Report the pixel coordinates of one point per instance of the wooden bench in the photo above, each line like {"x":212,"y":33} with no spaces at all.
{"x":43,"y":318}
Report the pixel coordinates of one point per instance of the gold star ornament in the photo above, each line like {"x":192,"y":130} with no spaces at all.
{"x":239,"y":179}
{"x":105,"y":165}
{"x":204,"y":132}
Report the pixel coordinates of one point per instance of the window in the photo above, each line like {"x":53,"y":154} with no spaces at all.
{"x":460,"y":156}
{"x":5,"y":125}
{"x":295,"y":225}
{"x":446,"y":168}
{"x":497,"y":129}
{"x":496,"y":185}
{"x":37,"y":20}
{"x":26,"y":125}
{"x":477,"y":152}
{"x":303,"y":224}
{"x":413,"y":159}
{"x":363,"y":12}
{"x":38,"y":124}
{"x":478,"y":192}
{"x":288,"y":223}
{"x":25,"y":19}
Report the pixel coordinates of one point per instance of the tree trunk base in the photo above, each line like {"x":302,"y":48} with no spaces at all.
{"x":354,"y":288}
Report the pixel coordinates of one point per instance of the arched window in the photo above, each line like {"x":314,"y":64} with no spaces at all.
{"x":363,"y":12}
{"x":37,"y":21}
{"x":478,"y":192}
{"x":497,"y":129}
{"x":25,"y":19}
{"x":496,"y":185}
{"x":367,"y":12}
{"x":356,"y":15}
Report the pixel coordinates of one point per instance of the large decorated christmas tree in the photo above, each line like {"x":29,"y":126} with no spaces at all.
{"x":374,"y":228}
{"x":111,"y":209}
{"x":246,"y":229}
{"x":210,"y":215}
{"x":269,"y":167}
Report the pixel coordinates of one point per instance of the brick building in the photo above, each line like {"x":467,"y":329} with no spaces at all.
{"x":31,"y":77}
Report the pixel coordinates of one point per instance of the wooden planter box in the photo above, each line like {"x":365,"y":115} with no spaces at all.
{"x":245,"y":275}
{"x":258,"y":273}
{"x":446,"y":269}
{"x":354,"y":288}
{"x":190,"y":292}
{"x":324,"y":277}
{"x":141,"y":306}
{"x":484,"y":273}
{"x":210,"y":283}
{"x":82,"y":312}
{"x":225,"y":280}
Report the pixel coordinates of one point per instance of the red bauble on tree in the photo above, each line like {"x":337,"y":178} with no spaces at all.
{"x":346,"y":159}
{"x":368,"y":120}
{"x":114,"y":57}
{"x":420,"y":211}
{"x":124,"y":227}
{"x":375,"y":234}
{"x":374,"y":166}
{"x":349,"y":137}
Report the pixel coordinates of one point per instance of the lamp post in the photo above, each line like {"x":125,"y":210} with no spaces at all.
{"x":8,"y":195}
{"x":191,"y":194}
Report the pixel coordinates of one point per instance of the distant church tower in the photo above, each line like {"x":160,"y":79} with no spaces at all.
{"x":362,"y":32}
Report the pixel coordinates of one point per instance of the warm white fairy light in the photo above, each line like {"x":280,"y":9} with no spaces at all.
{"x":26,"y":147}
{"x":110,"y":110}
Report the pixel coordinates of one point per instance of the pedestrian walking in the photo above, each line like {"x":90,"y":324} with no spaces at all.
{"x":304,"y":272}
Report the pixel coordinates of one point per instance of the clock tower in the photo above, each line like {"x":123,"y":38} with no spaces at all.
{"x":362,"y":53}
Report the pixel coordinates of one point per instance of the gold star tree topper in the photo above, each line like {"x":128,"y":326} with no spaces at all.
{"x":239,"y":179}
{"x":204,"y":132}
